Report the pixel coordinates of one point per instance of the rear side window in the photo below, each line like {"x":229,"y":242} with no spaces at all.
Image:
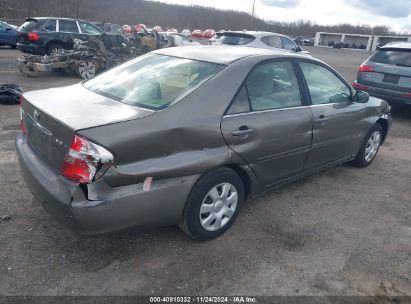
{"x":236,"y":39}
{"x":393,"y":57}
{"x":273,"y":85}
{"x":50,"y":26}
{"x":273,"y":41}
{"x":240,"y":103}
{"x":28,"y":26}
{"x":68,"y":26}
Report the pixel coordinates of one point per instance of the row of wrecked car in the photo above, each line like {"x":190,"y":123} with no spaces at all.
{"x":198,"y":34}
{"x":96,"y":53}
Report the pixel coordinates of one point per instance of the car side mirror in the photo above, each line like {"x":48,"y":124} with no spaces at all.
{"x":8,"y":28}
{"x":361,"y":97}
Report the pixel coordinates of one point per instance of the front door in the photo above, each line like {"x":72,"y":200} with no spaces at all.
{"x":338,"y":126}
{"x":267,"y":123}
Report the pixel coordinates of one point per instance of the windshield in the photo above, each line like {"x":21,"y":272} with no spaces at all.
{"x":393,"y":57}
{"x":152,"y":81}
{"x":236,"y":39}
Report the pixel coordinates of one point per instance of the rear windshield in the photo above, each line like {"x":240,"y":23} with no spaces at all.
{"x":30,"y":25}
{"x":152,"y":81}
{"x":236,"y":39}
{"x":393,"y":57}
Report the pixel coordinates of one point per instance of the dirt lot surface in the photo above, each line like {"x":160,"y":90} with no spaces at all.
{"x":345,"y":231}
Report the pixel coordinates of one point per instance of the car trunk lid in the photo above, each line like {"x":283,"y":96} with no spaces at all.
{"x":51,"y":117}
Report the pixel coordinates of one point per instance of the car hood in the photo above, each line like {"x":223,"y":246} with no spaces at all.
{"x":79,"y":108}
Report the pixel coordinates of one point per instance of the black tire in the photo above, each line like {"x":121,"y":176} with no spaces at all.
{"x":361,"y":161}
{"x":53,"y":46}
{"x":13,"y":46}
{"x":190,"y":222}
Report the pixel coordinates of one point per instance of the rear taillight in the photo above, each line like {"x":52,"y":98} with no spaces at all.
{"x":358,"y":86}
{"x":407,"y":95}
{"x":32,"y":36}
{"x":83,"y":160}
{"x":23,"y":128}
{"x":365,"y":68}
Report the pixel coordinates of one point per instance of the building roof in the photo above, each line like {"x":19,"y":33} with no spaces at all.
{"x":397,"y":45}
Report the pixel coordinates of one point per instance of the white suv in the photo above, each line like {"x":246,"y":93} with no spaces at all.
{"x":265,"y":40}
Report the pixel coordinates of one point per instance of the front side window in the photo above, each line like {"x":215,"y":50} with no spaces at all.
{"x":88,"y":28}
{"x":152,"y":81}
{"x":273,"y":41}
{"x":273,"y":85}
{"x":324,"y":86}
{"x":67,"y":26}
{"x":288,"y":44}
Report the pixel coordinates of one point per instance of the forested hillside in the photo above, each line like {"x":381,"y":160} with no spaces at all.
{"x":156,"y":13}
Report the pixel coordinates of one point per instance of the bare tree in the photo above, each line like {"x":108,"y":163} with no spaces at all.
{"x":156,"y":13}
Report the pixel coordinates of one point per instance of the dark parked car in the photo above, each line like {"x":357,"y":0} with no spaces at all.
{"x":8,"y":34}
{"x":387,"y":73}
{"x":185,"y":135}
{"x":52,"y":35}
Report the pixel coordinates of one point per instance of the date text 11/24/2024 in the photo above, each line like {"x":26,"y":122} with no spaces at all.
{"x":203,"y":299}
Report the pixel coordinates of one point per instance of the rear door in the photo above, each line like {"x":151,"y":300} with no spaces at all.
{"x":339,"y":126}
{"x":391,"y":69}
{"x":268,"y":124}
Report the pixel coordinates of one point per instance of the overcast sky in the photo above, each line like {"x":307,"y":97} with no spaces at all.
{"x":394,"y":13}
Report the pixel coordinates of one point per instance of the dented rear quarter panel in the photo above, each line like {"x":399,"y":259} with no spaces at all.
{"x":184,"y":139}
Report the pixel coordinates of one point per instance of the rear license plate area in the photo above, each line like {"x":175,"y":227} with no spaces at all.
{"x":391,"y":78}
{"x":38,"y":139}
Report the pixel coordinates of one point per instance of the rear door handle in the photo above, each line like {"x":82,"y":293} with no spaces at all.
{"x":321,"y":119}
{"x":242,"y":131}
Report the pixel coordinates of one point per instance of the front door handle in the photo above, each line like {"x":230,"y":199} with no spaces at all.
{"x":320,"y":119}
{"x":243,"y":130}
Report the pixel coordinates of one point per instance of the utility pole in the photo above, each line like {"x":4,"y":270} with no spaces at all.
{"x":253,"y":15}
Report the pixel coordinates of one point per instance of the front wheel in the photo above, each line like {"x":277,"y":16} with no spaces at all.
{"x":213,"y":204}
{"x":369,"y":147}
{"x":86,"y":69}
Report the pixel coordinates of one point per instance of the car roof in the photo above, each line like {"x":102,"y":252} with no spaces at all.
{"x":256,"y":33}
{"x":397,"y":45}
{"x":221,"y":54}
{"x":54,"y":18}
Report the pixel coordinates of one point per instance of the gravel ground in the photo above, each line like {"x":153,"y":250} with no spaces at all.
{"x":345,"y":231}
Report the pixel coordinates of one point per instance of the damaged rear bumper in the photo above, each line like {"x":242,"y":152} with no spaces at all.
{"x":105,"y":209}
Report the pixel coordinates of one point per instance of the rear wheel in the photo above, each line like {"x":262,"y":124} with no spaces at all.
{"x":369,"y":147}
{"x":55,"y":49}
{"x":213,"y":204}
